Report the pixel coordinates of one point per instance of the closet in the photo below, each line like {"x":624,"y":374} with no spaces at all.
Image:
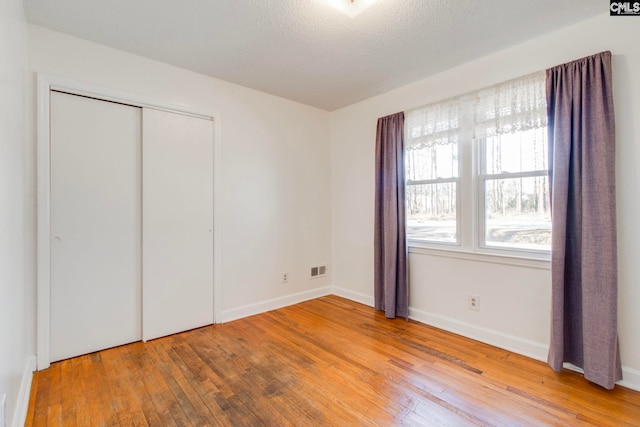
{"x":131,"y":224}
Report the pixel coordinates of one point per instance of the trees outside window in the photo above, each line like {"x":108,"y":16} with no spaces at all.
{"x":477,"y":172}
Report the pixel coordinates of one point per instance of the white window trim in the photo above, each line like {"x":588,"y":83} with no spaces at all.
{"x":485,"y":257}
{"x":470,"y":220}
{"x":456,"y":181}
{"x":480,"y":193}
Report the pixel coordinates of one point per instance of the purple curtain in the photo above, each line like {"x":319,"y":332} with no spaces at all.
{"x":584,"y":328}
{"x":390,"y":242}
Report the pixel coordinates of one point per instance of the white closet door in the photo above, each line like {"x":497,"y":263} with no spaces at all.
{"x":95,"y":225}
{"x":177,"y":233}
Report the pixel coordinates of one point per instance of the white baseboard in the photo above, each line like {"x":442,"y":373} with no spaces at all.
{"x":22,"y":405}
{"x":273,"y":304}
{"x":499,"y":339}
{"x":353,"y":296}
{"x":513,"y":343}
{"x":630,"y":378}
{"x":518,"y":345}
{"x":534,"y":350}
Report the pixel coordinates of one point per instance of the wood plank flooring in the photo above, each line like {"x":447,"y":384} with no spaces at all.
{"x":326,"y":362}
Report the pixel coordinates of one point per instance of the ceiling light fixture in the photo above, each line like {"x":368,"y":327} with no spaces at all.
{"x":351,"y":8}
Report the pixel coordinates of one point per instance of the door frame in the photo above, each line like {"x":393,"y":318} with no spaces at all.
{"x":46,"y":84}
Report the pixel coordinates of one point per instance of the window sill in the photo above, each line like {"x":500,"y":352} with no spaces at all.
{"x":492,"y":258}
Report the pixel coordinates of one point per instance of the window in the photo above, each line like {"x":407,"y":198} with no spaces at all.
{"x":476,"y":170}
{"x":432,"y":172}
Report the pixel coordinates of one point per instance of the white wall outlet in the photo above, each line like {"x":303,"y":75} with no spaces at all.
{"x":284,"y":278}
{"x":473,"y":302}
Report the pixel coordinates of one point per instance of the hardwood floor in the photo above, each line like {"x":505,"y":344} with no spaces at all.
{"x":324,"y":362}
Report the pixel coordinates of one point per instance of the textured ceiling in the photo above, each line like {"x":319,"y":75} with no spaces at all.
{"x":304,"y":50}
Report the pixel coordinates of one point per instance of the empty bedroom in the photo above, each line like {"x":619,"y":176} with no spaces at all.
{"x":319,"y":213}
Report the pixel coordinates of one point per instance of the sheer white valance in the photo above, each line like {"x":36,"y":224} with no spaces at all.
{"x":516,"y":105}
{"x":509,"y":107}
{"x":437,"y":123}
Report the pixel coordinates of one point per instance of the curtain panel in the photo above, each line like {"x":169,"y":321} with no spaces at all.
{"x":584,"y":260}
{"x":391,"y":290}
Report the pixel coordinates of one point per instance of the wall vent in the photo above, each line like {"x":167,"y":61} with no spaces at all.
{"x":318,"y":271}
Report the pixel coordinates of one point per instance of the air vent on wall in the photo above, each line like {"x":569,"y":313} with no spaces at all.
{"x":318,"y":271}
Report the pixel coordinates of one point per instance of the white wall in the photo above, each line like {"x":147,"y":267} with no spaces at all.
{"x":514,"y":300}
{"x":274,"y":177}
{"x":16,"y":260}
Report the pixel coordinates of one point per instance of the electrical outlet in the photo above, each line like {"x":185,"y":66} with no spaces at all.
{"x":473,"y":302}
{"x":285,"y":278}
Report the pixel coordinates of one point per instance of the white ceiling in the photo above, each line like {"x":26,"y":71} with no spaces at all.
{"x":304,"y":50}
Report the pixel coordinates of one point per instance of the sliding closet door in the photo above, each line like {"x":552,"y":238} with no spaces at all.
{"x":177,"y":233}
{"x":95,"y":225}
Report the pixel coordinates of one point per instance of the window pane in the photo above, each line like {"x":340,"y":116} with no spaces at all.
{"x":431,"y":212}
{"x":517,"y":213}
{"x":516,"y":152}
{"x":435,"y":160}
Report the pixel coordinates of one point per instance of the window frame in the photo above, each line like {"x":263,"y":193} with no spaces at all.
{"x":437,"y":133}
{"x":481,"y":214}
{"x":471,"y":198}
{"x":455,"y":180}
